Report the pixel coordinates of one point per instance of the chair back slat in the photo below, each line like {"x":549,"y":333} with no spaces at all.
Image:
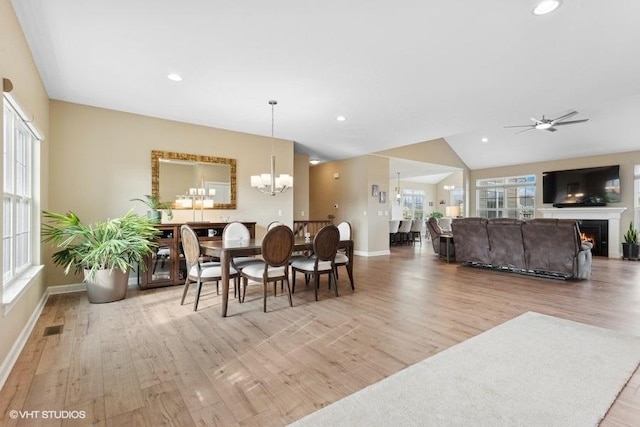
{"x":277,"y":246}
{"x":325,"y":243}
{"x":190,"y":245}
{"x":312,"y":227}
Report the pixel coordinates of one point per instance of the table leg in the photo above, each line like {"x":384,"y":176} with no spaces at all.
{"x":225,"y":264}
{"x":447,"y":240}
{"x":350,"y":265}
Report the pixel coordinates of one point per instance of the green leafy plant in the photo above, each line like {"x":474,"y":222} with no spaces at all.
{"x":115,"y":243}
{"x":154,"y":203}
{"x":631,"y":236}
{"x":436,"y":214}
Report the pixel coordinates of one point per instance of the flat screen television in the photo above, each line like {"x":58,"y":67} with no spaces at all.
{"x":595,"y":186}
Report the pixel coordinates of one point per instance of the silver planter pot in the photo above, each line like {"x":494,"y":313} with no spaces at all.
{"x":106,"y":285}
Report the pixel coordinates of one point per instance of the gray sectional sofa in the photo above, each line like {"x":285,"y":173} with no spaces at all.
{"x":541,"y":247}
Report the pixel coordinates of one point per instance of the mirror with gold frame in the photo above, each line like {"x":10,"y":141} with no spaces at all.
{"x":175,"y":175}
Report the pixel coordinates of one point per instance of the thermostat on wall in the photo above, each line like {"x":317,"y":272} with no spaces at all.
{"x":336,"y":175}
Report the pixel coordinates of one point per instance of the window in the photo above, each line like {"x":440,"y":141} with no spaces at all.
{"x":17,"y":228}
{"x":510,"y":197}
{"x":413,"y":204}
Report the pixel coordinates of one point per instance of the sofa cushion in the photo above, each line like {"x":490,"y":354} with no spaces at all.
{"x":551,"y":245}
{"x":470,"y":240}
{"x":505,"y":239}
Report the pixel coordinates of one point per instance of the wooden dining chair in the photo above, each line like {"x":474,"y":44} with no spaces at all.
{"x":198,"y":271}
{"x":237,"y":231}
{"x":342,"y":256}
{"x":277,"y":247}
{"x":325,"y":247}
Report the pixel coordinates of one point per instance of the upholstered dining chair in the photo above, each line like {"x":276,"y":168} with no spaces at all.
{"x":393,"y":231}
{"x":325,"y":247}
{"x":277,"y":246}
{"x":417,"y":228}
{"x":237,"y":231}
{"x":404,"y":232}
{"x":197,"y":271}
{"x":273,"y":224}
{"x":342,"y":258}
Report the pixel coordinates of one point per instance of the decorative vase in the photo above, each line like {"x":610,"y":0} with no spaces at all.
{"x":106,"y":285}
{"x":630,"y":251}
{"x":155,"y":215}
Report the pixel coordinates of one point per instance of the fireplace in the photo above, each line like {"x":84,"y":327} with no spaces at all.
{"x":596,"y":231}
{"x":610,"y":214}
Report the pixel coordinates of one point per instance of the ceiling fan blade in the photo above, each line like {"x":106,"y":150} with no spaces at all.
{"x":566,"y":116}
{"x":525,"y":130}
{"x":520,"y":126}
{"x":570,"y":122}
{"x":551,"y":129}
{"x":536,"y":120}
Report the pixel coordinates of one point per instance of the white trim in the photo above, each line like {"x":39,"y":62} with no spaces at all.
{"x":66,"y":289}
{"x":20,"y":284}
{"x":613,"y":215}
{"x":376,"y":253}
{"x":18,"y":345}
{"x":27,"y":118}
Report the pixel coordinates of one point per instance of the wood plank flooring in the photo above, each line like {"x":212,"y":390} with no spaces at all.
{"x":148,"y":361}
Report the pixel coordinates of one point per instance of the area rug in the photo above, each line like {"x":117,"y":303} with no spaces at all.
{"x":534,"y":370}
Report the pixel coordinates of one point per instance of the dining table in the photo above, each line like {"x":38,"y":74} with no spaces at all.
{"x":229,"y":249}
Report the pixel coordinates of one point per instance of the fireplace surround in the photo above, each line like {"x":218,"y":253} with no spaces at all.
{"x":610,"y":214}
{"x":596,"y":231}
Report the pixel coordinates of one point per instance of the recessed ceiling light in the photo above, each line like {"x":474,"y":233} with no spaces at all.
{"x":314,"y":161}
{"x":174,"y":77}
{"x":485,"y":139}
{"x":546,"y":6}
{"x":341,"y":118}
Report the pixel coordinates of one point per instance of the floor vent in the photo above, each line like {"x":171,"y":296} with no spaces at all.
{"x":53,"y":330}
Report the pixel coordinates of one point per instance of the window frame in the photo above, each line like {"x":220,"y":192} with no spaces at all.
{"x":410,"y":199}
{"x":20,"y":188}
{"x":508,"y":192}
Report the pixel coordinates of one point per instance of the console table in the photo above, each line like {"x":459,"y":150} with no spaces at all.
{"x":166,"y":266}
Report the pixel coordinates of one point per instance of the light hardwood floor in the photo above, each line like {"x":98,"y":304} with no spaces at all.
{"x":147,"y":360}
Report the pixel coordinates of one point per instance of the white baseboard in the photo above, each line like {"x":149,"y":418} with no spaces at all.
{"x":16,"y":349}
{"x":368,"y":254}
{"x":18,"y":345}
{"x":65,"y":289}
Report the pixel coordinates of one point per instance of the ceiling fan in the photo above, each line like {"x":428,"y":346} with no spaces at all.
{"x":549,"y":124}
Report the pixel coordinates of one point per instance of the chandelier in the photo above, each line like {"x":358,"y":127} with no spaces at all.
{"x":269,"y":183}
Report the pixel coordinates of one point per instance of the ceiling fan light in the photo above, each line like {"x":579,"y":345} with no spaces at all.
{"x":543,"y":126}
{"x":546,"y":6}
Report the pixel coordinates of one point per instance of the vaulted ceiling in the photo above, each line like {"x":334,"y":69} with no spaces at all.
{"x":400,"y":72}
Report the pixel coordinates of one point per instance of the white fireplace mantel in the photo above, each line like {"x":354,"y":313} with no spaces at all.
{"x":611,"y":214}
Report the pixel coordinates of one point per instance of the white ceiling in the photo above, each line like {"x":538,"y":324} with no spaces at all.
{"x":401,"y":72}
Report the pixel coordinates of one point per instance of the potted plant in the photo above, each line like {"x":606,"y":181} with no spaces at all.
{"x":436,"y":214}
{"x":156,"y":207}
{"x":630,"y":247}
{"x":106,"y":250}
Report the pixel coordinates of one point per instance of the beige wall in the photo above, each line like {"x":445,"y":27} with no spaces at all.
{"x":102,"y":158}
{"x":17,"y":65}
{"x":301,"y":187}
{"x":435,"y":151}
{"x":625,"y":160}
{"x":352,"y":193}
